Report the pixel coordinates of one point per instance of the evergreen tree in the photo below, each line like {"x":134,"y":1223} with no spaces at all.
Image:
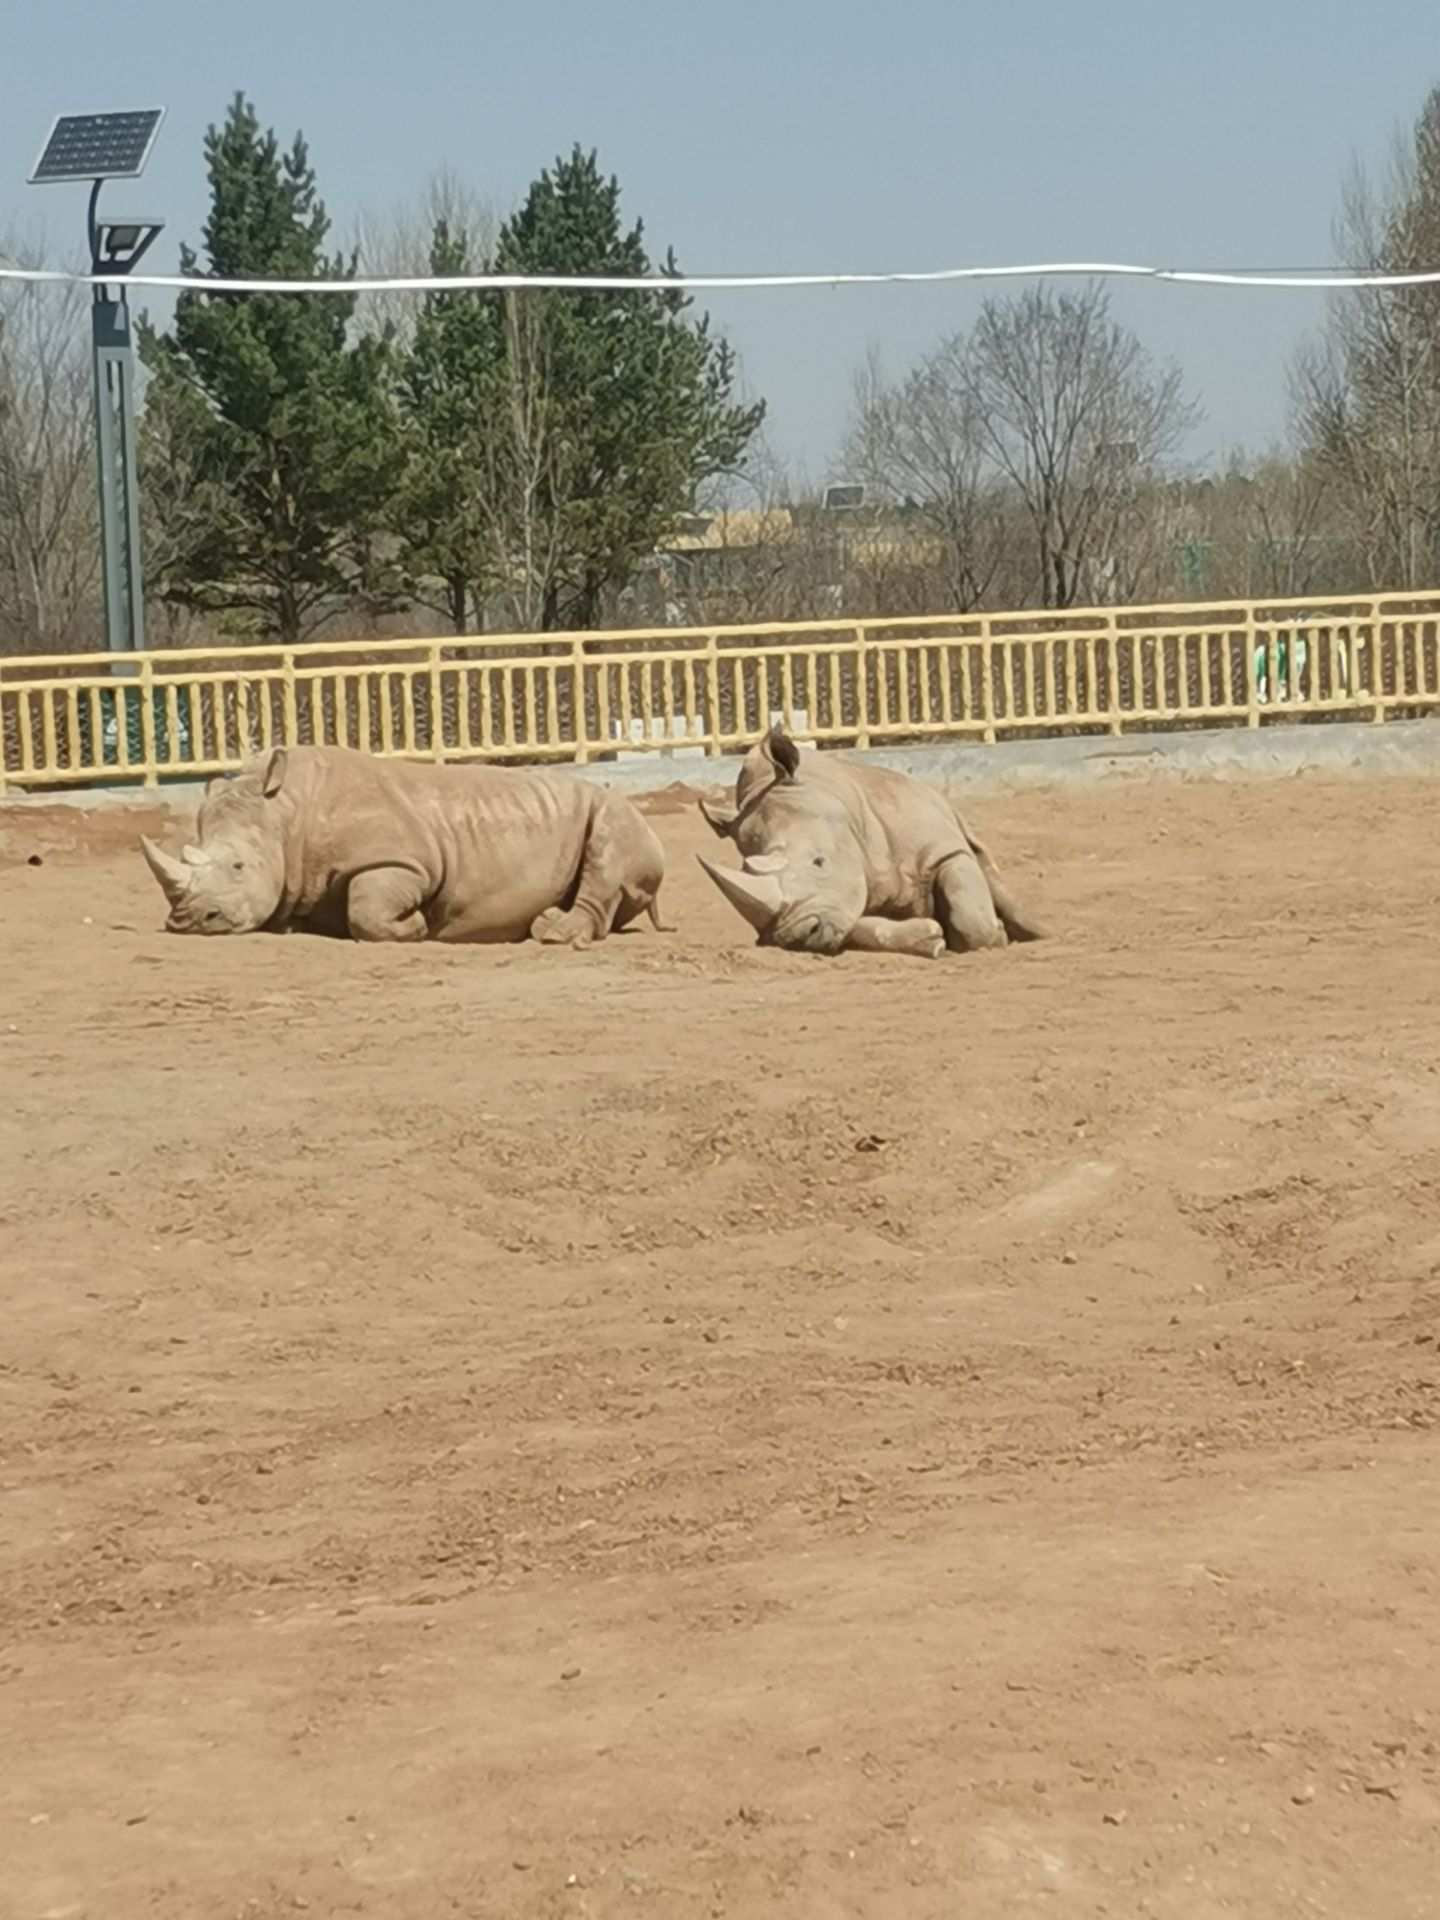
{"x":285,"y":417}
{"x":638,"y":397}
{"x":448,"y":387}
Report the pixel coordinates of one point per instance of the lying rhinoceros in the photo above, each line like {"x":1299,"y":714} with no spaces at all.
{"x":841,"y":854}
{"x":335,"y":841}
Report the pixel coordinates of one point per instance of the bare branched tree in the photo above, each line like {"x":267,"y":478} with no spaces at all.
{"x":49,"y":539}
{"x":1290,"y":550}
{"x":922,"y":445}
{"x":1077,"y":418}
{"x":398,"y":243}
{"x":1367,"y":396}
{"x":523,"y":463}
{"x":1044,"y":431}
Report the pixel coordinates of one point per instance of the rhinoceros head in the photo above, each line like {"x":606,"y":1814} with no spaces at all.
{"x":233,"y":881}
{"x":803,"y":880}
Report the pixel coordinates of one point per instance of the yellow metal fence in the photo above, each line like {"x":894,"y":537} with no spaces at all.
{"x":100,"y":718}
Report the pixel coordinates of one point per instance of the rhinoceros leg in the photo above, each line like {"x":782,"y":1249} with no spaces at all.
{"x":384,"y":904}
{"x":562,"y":927}
{"x":965,"y":907}
{"x":619,"y":879}
{"x":874,"y":934}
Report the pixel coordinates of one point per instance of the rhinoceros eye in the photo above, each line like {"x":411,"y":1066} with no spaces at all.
{"x":818,"y":861}
{"x":239,"y":866}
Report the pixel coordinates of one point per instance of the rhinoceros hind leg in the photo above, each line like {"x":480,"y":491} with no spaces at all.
{"x":619,"y":877}
{"x":874,"y":934}
{"x":384,"y":904}
{"x":965,"y":907}
{"x":558,"y":928}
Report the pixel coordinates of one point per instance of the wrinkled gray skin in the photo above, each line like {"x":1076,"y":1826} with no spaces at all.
{"x":839,"y":854}
{"x":335,"y":841}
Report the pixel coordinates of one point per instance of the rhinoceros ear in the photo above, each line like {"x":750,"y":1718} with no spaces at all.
{"x":782,"y":750}
{"x":722,"y":819}
{"x":273,"y":777}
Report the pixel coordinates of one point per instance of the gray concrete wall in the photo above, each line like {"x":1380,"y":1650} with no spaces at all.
{"x":1409,"y":747}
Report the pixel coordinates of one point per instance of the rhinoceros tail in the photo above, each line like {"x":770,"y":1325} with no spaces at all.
{"x":1019,"y":925}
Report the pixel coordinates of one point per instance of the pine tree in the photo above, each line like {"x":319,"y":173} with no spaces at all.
{"x":447,"y":387}
{"x":638,"y":396}
{"x":285,"y":417}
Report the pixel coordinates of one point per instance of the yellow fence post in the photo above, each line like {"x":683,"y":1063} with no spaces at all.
{"x":1112,"y":673}
{"x":1377,"y":665}
{"x":437,"y":711}
{"x":862,"y":691}
{"x":148,"y":745}
{"x":290,"y":705}
{"x":712,"y":696}
{"x":987,"y":681}
{"x":1252,"y":677}
{"x":577,"y":699}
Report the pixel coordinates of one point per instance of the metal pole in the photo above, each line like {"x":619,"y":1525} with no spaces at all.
{"x":130,"y":480}
{"x":114,"y":372}
{"x":107,"y":434}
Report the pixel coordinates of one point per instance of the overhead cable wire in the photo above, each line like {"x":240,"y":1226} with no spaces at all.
{"x":1319,"y":279}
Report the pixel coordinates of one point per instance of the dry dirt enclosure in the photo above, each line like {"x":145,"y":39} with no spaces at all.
{"x":691,"y":1431}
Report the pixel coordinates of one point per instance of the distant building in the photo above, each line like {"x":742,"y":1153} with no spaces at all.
{"x":746,"y":563}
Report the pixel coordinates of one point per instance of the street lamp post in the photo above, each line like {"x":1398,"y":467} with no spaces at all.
{"x":97,"y":147}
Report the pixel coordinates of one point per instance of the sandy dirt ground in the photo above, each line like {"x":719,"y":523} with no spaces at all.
{"x":686,"y":1430}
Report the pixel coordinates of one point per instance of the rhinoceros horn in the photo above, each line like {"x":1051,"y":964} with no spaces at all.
{"x":174,"y":876}
{"x":755,"y":895}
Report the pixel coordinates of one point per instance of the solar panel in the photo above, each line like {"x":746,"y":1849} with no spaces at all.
{"x":97,"y":146}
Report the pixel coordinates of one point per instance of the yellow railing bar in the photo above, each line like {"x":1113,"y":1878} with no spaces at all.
{"x":653,"y":690}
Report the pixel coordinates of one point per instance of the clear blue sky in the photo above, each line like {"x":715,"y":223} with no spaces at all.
{"x":800,"y":135}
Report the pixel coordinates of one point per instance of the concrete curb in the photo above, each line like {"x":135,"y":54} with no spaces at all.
{"x":1409,"y":748}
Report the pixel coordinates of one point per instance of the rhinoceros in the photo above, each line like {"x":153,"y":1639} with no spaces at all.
{"x":336,"y":841}
{"x":840,"y":854}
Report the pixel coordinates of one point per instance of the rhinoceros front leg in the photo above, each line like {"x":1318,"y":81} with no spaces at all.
{"x":873,"y":934}
{"x":384,"y":904}
{"x":965,"y":908}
